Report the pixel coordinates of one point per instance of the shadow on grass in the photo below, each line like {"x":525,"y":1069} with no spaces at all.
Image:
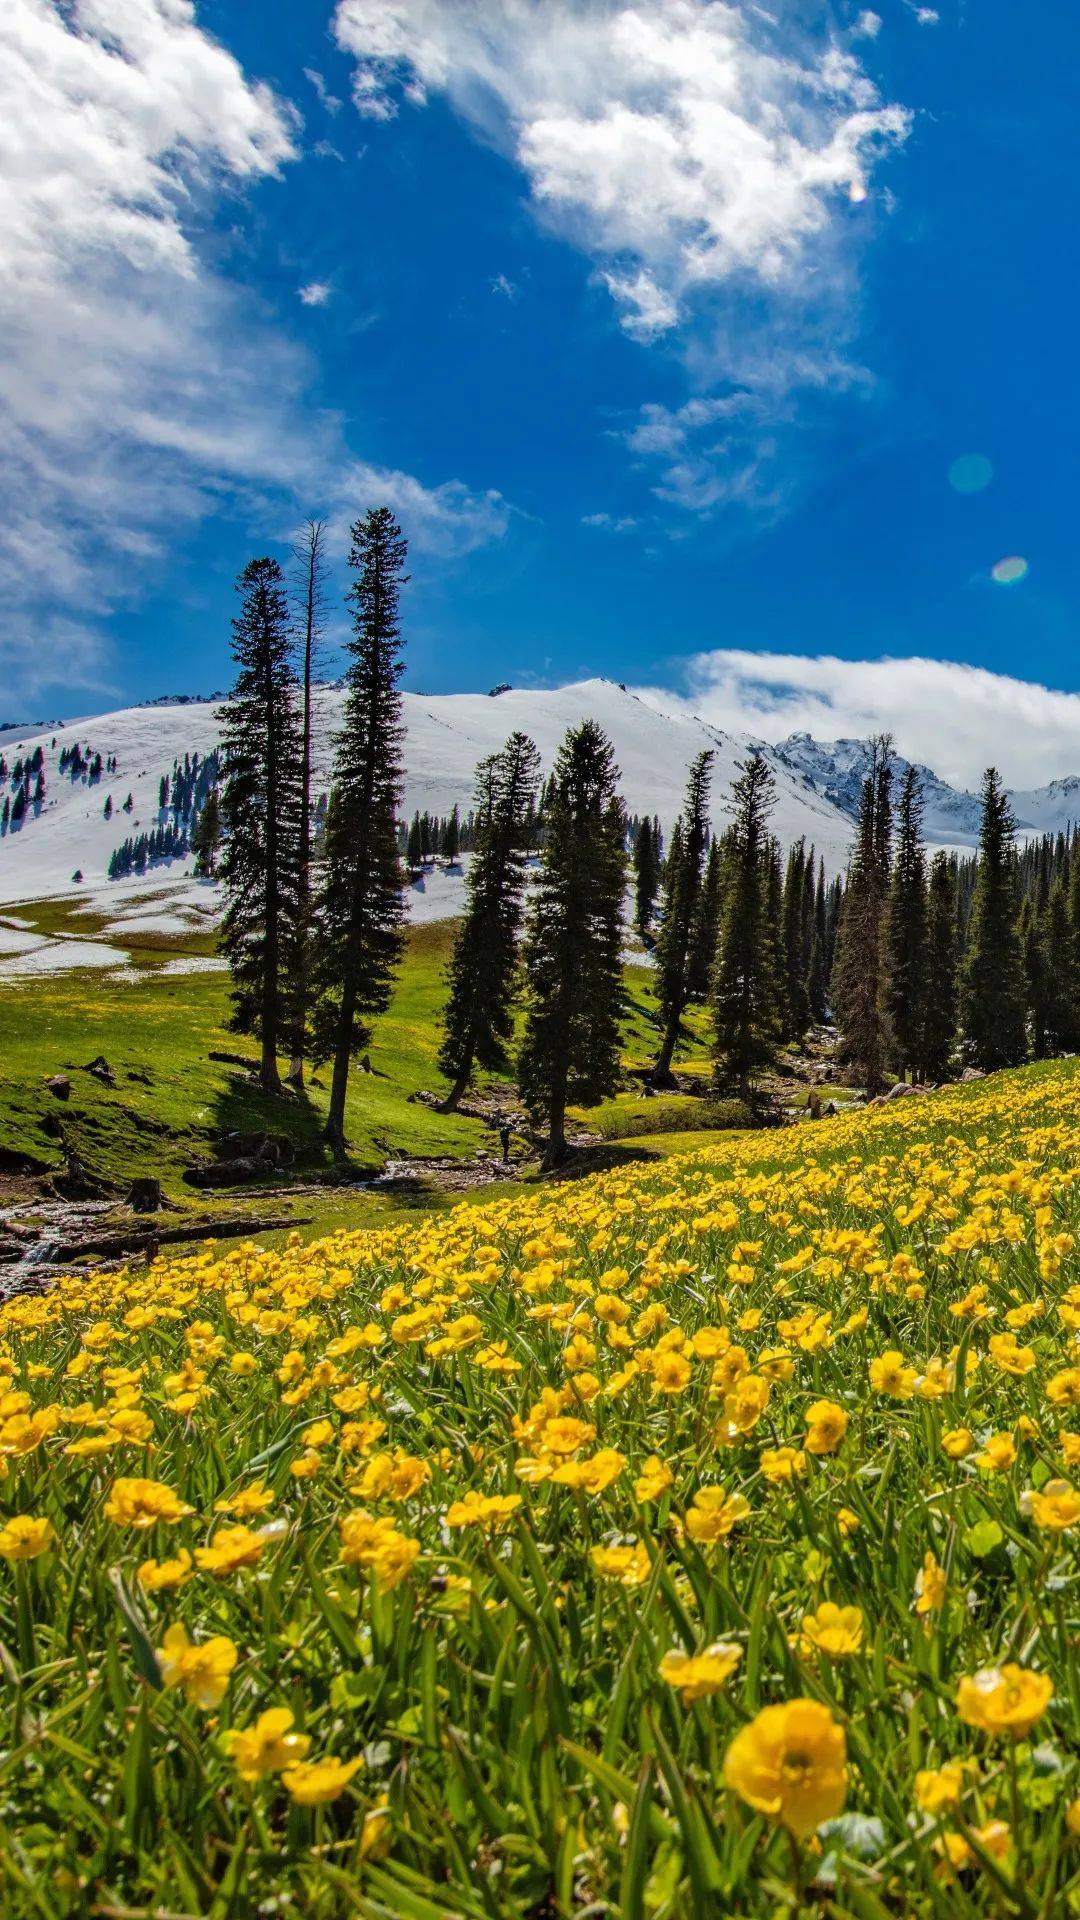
{"x":603,"y":1159}
{"x":243,"y":1114}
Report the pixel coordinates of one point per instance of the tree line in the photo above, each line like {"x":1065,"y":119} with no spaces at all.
{"x":923,"y":964}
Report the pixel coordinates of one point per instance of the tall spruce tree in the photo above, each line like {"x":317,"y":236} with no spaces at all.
{"x":939,"y":1012}
{"x":646,"y":878}
{"x":570,"y":1048}
{"x":796,"y":999}
{"x":479,"y":1018}
{"x":745,"y":987}
{"x":1073,"y":897}
{"x":309,"y":555}
{"x":1033,"y":963}
{"x":858,"y":966}
{"x":905,"y":931}
{"x":705,"y":928}
{"x":817,"y":977}
{"x":360,"y":906}
{"x":992,"y":981}
{"x":260,"y":810}
{"x":682,"y":888}
{"x":1059,"y":982}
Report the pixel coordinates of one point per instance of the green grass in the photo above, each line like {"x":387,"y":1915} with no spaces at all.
{"x":171,"y":1101}
{"x":627,"y":1118}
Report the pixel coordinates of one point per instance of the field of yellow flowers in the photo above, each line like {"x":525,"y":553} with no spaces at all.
{"x":694,"y":1539}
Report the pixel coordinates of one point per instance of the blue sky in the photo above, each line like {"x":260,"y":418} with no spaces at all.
{"x":662,"y":327}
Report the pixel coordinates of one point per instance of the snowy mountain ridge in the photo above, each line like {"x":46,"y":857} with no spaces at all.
{"x":446,"y":736}
{"x":836,"y":769}
{"x":818,"y":783}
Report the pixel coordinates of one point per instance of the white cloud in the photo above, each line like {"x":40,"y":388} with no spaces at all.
{"x":449,"y":519}
{"x":957,"y":719}
{"x":316,"y":293}
{"x":136,"y":387}
{"x":707,"y":158}
{"x":681,"y":143}
{"x":329,"y":101}
{"x":506,"y":287}
{"x":868,"y":25}
{"x":610,"y":522}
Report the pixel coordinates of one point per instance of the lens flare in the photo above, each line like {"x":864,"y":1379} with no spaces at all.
{"x":1009,"y":571}
{"x":971,"y":473}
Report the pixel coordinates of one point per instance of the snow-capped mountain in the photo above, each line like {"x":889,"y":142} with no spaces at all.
{"x":837,"y":768}
{"x":818,"y":783}
{"x":446,"y":735}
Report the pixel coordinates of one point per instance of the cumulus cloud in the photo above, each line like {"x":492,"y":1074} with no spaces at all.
{"x":136,"y":386}
{"x":957,"y":719}
{"x":681,"y":142}
{"x":704,"y":155}
{"x":316,"y":293}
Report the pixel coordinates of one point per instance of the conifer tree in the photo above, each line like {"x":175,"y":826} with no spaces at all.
{"x":1073,"y":898}
{"x":905,"y":931}
{"x":796,"y":1010}
{"x":817,"y":976}
{"x":858,"y":967}
{"x":682,"y":887}
{"x":309,"y":556}
{"x":1059,"y":995}
{"x":479,"y":1017}
{"x":646,"y":878}
{"x":570,"y":1049}
{"x":992,"y":983}
{"x":360,"y":906}
{"x":450,"y":845}
{"x":705,"y":927}
{"x":260,"y":808}
{"x":745,"y":989}
{"x":206,"y":838}
{"x":1033,"y":963}
{"x":939,"y":1012}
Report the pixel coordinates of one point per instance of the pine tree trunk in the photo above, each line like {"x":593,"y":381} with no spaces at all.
{"x":269,"y":1078}
{"x":661,"y":1074}
{"x":453,"y":1098}
{"x":334,"y":1131}
{"x":555,"y":1152}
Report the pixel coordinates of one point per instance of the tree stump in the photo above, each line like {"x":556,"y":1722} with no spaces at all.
{"x":144,"y":1196}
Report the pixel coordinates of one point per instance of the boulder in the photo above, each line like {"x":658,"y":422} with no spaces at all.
{"x":59,"y":1086}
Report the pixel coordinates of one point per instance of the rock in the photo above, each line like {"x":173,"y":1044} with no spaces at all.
{"x":59,"y":1086}
{"x":144,"y":1196}
{"x":899,"y":1091}
{"x":101,"y":1070}
{"x":264,"y":1150}
{"x":973,"y":1073}
{"x":831,"y":1110}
